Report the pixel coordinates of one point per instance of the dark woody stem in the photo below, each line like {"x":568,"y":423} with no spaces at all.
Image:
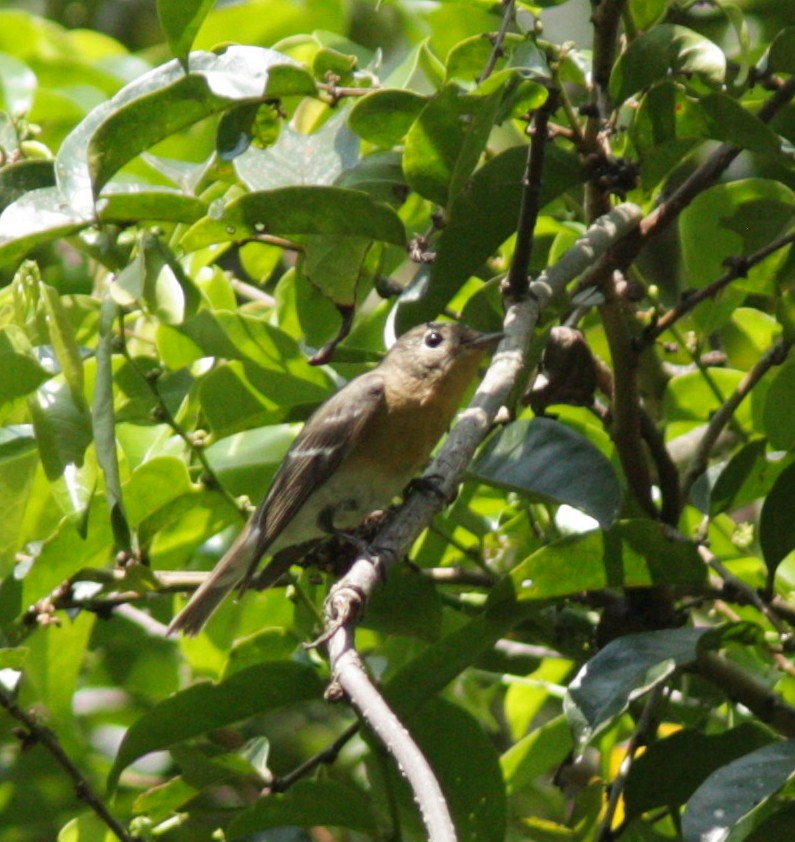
{"x":517,"y":281}
{"x":35,"y":732}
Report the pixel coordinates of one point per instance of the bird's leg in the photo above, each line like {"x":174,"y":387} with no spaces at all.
{"x":432,"y":484}
{"x":325,"y":522}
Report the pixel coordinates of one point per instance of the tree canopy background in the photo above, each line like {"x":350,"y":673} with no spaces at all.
{"x":594,"y":640}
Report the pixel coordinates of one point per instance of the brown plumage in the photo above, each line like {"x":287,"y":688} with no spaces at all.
{"x":355,"y":454}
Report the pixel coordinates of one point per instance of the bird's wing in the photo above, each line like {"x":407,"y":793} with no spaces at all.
{"x":325,"y":441}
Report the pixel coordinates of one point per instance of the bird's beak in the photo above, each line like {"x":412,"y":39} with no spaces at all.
{"x":487,"y":341}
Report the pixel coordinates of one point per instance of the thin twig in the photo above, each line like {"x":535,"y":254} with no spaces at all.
{"x":640,"y":737}
{"x":35,"y":732}
{"x":327,"y":756}
{"x":738,"y":268}
{"x":353,"y":680}
{"x":700,"y":460}
{"x":517,"y":280}
{"x":496,"y":51}
{"x":743,"y":688}
{"x":748,"y":595}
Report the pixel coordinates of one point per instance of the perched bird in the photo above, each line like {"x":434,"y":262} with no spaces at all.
{"x":356,"y":453}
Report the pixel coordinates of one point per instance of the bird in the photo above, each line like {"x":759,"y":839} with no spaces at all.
{"x":356,"y":453}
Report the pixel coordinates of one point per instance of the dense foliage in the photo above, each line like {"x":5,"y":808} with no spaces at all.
{"x":204,"y":232}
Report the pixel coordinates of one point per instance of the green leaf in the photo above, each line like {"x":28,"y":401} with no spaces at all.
{"x":181,"y":20}
{"x":318,"y":158}
{"x":671,"y":770}
{"x":205,"y":706}
{"x":731,"y":793}
{"x":736,"y":219}
{"x":17,"y":86}
{"x":308,"y":804}
{"x":781,"y":55}
{"x":137,"y":204}
{"x":776,"y":523}
{"x":779,"y":407}
{"x":63,"y":433}
{"x":384,"y":117}
{"x":334,"y":266}
{"x":87,"y":828}
{"x":747,"y":476}
{"x":104,"y":424}
{"x":547,"y":459}
{"x":420,"y":614}
{"x":22,"y":177}
{"x":65,"y":552}
{"x":154,"y":484}
{"x":20,"y":373}
{"x":473,"y":788}
{"x":646,"y":12}
{"x":481,"y":218}
{"x":536,"y":754}
{"x":624,"y":670}
{"x":161,"y":102}
{"x":36,"y":217}
{"x":446,"y":141}
{"x":665,"y":49}
{"x":633,"y":553}
{"x":292,"y":211}
{"x":62,"y":338}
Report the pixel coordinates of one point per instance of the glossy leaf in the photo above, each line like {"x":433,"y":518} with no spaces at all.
{"x":670,"y":771}
{"x":318,"y":158}
{"x":160,"y":103}
{"x":20,"y":373}
{"x":665,"y":49}
{"x":549,"y":460}
{"x":776,"y":524}
{"x":384,"y":117}
{"x":181,"y":20}
{"x":22,"y":177}
{"x":205,"y":706}
{"x":36,"y":217}
{"x":731,"y":793}
{"x":624,"y":670}
{"x":632,"y":554}
{"x":292,"y":211}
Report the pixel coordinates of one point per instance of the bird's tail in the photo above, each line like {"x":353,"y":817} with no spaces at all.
{"x":230,"y":571}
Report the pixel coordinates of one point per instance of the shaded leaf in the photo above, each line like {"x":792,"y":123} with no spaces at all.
{"x":671,"y":770}
{"x":481,"y":218}
{"x":731,"y":793}
{"x":384,"y":117}
{"x":205,"y":706}
{"x":665,"y":49}
{"x":624,"y":670}
{"x":308,"y":803}
{"x":548,"y":459}
{"x":776,"y":523}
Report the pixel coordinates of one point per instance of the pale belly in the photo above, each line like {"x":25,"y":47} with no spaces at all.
{"x":347,"y":506}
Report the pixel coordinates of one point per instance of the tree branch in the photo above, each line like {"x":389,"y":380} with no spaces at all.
{"x":35,"y":732}
{"x":348,"y":598}
{"x":738,"y":268}
{"x":700,"y":459}
{"x":517,"y":281}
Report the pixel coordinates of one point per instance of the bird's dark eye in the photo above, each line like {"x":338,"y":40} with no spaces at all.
{"x":433,"y":339}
